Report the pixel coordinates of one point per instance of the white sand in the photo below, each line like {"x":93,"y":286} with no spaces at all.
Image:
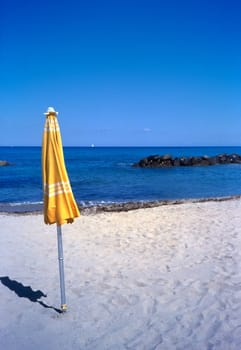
{"x":160,"y":278}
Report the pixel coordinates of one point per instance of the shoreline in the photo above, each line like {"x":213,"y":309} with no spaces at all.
{"x":27,"y":209}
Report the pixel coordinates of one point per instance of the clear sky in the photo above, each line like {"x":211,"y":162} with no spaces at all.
{"x":121,"y":73}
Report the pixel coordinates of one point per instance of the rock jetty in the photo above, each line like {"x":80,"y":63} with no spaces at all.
{"x":166,"y":160}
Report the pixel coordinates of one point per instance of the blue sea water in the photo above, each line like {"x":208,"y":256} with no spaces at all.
{"x":105,"y":175}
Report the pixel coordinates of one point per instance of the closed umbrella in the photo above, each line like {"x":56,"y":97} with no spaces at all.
{"x":59,"y":203}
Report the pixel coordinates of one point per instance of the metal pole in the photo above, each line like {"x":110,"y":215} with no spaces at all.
{"x":61,"y":268}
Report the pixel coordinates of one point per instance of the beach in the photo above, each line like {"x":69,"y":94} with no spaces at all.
{"x":167,"y":277}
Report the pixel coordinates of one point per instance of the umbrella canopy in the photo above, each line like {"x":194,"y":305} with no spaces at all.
{"x":59,"y":203}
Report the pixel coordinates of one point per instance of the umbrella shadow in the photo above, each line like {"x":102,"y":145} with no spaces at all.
{"x":26,"y":292}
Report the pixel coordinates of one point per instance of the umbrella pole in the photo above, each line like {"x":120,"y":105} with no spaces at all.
{"x":61,"y":268}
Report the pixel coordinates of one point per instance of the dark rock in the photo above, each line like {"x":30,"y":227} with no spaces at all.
{"x":212,"y":160}
{"x":234,"y":158}
{"x":184,"y":161}
{"x":167,"y":157}
{"x":176,"y":162}
{"x":158,"y":161}
{"x":4,"y":163}
{"x":222,"y":158}
{"x":194,"y":160}
{"x":205,"y":157}
{"x":205,"y":160}
{"x":144,"y":162}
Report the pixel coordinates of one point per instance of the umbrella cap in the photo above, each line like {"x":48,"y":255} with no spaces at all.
{"x":51,"y":110}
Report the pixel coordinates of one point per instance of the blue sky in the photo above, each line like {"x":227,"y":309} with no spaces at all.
{"x":121,"y":73}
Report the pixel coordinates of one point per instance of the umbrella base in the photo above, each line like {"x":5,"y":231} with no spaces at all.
{"x":64,"y":307}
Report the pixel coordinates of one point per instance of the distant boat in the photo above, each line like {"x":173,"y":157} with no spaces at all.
{"x":92,"y":145}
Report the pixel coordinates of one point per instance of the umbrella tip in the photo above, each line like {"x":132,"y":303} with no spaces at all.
{"x":51,"y":110}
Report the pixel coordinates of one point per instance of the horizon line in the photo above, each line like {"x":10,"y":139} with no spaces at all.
{"x":126,"y":146}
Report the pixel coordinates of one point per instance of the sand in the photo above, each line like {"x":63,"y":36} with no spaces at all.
{"x":158,"y":278}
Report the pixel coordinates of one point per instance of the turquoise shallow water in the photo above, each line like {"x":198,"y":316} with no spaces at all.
{"x":105,"y":175}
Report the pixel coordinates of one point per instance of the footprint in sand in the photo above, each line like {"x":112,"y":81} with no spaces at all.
{"x":140,"y":284}
{"x":119,"y":300}
{"x":133,"y":299}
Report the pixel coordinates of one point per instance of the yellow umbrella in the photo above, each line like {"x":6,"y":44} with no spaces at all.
{"x":59,"y":203}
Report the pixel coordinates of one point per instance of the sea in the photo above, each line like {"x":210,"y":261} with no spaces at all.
{"x":104,"y":175}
